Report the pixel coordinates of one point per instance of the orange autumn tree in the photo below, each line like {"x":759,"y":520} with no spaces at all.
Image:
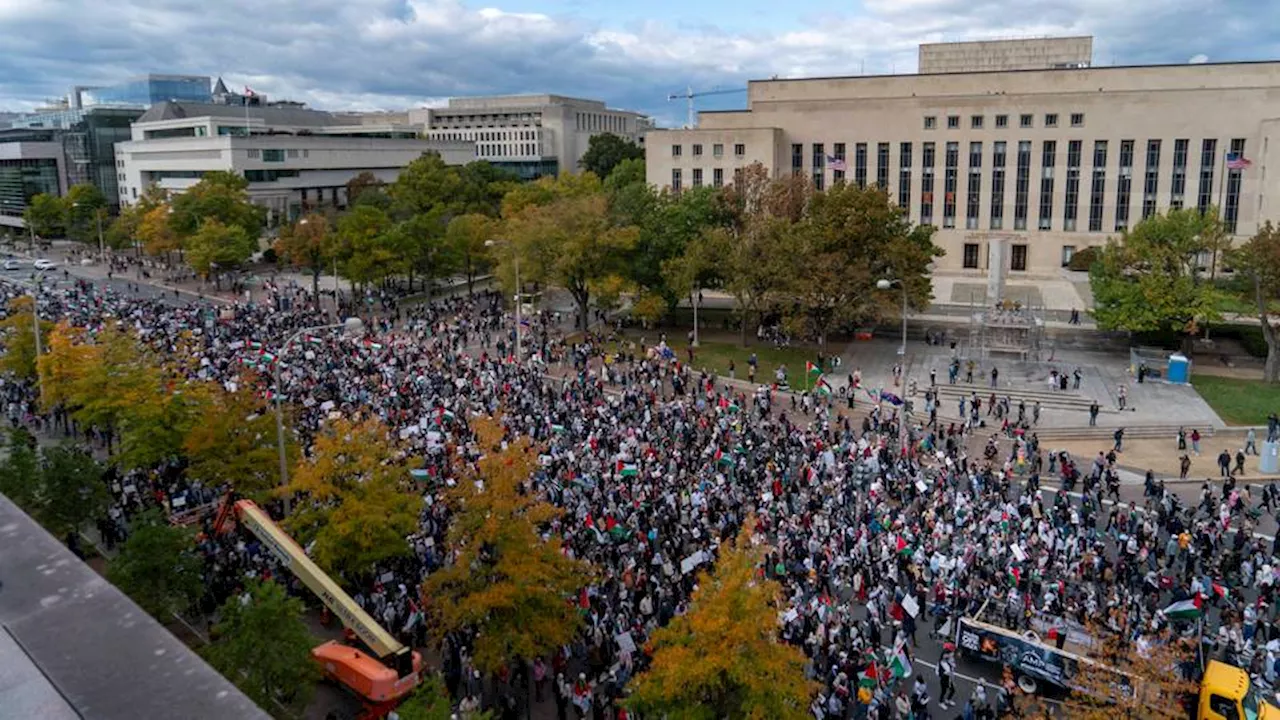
{"x":723,"y":658}
{"x":354,"y":498}
{"x":18,"y":333}
{"x":507,"y":581}
{"x":235,"y":445}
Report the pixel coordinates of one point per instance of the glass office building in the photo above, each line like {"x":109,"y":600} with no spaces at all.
{"x":88,"y":139}
{"x":22,"y":178}
{"x":148,"y":90}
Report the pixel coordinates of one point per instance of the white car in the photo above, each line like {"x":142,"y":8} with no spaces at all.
{"x":45,"y":264}
{"x":11,"y":265}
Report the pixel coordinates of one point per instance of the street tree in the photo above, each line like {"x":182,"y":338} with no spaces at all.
{"x":18,"y":332}
{"x":157,"y":566}
{"x":235,"y":444}
{"x":85,"y":207}
{"x":20,"y":478}
{"x":547,"y":189}
{"x":308,"y":244}
{"x":483,"y":185}
{"x":849,"y":238}
{"x":670,"y":225}
{"x":723,"y":658}
{"x":222,"y":196}
{"x":216,"y":246}
{"x":466,"y":238}
{"x":355,"y":498}
{"x":1152,"y":279}
{"x":367,"y":189}
{"x":262,"y":644}
{"x":606,"y":151}
{"x":571,"y":243}
{"x":1259,"y":260}
{"x":424,"y":185}
{"x":126,"y":229}
{"x":72,"y":490}
{"x":419,"y":242}
{"x":156,"y":233}
{"x":430,"y":701}
{"x":364,"y":251}
{"x":508,"y":582}
{"x":46,"y":215}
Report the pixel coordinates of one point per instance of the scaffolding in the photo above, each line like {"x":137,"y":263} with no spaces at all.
{"x":1006,"y":328}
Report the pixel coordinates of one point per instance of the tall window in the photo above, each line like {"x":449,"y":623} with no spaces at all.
{"x":1018,"y":257}
{"x":971,"y":256}
{"x":904,"y":175}
{"x":1208,"y":159}
{"x":1073,"y":185}
{"x":1022,"y":185}
{"x":1099,"y":189}
{"x":949,"y":185}
{"x":717,"y":177}
{"x":1048,"y":157}
{"x":1123,"y":183}
{"x":972,"y":204}
{"x":838,"y":173}
{"x":1179,"y":189}
{"x":675,"y":181}
{"x":1151,"y":181}
{"x":1231,"y":213}
{"x":797,"y":158}
{"x":926,"y":183}
{"x":819,"y":165}
{"x":697,"y":177}
{"x":998,"y":160}
{"x":882,"y":165}
{"x":860,"y":164}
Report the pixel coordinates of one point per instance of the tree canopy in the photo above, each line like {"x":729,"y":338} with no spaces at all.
{"x":157,"y":566}
{"x":1259,"y":259}
{"x":605,"y":151}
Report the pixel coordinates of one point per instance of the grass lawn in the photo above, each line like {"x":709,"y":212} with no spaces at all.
{"x":715,"y":354}
{"x":1239,"y":402}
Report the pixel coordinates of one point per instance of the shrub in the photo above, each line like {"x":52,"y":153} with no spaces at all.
{"x":1083,"y":259}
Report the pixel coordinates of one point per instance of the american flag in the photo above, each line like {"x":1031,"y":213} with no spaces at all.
{"x":1237,"y":161}
{"x":248,"y":92}
{"x":836,"y":163}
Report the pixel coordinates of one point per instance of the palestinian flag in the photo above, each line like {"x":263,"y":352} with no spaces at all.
{"x":248,"y":361}
{"x":255,"y":345}
{"x":900,"y":664}
{"x":314,"y":340}
{"x":557,"y":428}
{"x":629,"y":470}
{"x":870,"y":677}
{"x":721,"y":459}
{"x":813,"y":371}
{"x":448,"y":415}
{"x":372,"y":345}
{"x":1015,"y":575}
{"x":821,"y":386}
{"x":267,"y":357}
{"x":1188,"y":609}
{"x":902,"y":546}
{"x":1221,"y":591}
{"x":733,"y":407}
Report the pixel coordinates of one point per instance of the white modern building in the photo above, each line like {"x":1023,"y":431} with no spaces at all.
{"x":1041,"y":156}
{"x":530,"y":135}
{"x":294,"y":158}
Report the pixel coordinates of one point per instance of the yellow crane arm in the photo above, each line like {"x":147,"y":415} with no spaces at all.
{"x":338,"y":601}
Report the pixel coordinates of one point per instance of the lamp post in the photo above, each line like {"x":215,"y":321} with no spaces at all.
{"x":885,"y":284}
{"x":353,"y":326}
{"x":35,"y":320}
{"x":515,"y":257}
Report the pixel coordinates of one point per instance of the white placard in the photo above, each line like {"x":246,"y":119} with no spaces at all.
{"x":910,"y":605}
{"x":625,"y":643}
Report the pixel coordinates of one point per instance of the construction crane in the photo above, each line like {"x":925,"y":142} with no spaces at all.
{"x":385,"y":671}
{"x":689,"y":95}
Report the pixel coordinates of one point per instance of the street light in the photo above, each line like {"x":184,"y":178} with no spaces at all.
{"x":515,"y":257}
{"x":35,"y":319}
{"x":353,"y":326}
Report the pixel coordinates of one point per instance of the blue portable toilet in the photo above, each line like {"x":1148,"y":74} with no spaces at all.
{"x":1179,"y":369}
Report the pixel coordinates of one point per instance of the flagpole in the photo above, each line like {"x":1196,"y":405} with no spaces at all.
{"x":1222,"y":186}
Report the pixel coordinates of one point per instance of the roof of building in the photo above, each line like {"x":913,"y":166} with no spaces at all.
{"x":294,"y":116}
{"x":1091,"y":68}
{"x":220,"y":88}
{"x":73,"y":646}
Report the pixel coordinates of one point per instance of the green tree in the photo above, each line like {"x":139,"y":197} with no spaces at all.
{"x":308,"y":244}
{"x":85,"y":208}
{"x":46,"y":215}
{"x":367,"y":189}
{"x":1259,"y":259}
{"x":466,"y":238}
{"x":355,"y":498}
{"x":263,"y":646}
{"x":670,"y":224}
{"x":364,"y":250}
{"x":235,"y":444}
{"x":424,"y":185}
{"x":157,"y":566}
{"x":571,"y":243}
{"x":508,"y":581}
{"x":849,"y":238}
{"x":222,"y":196}
{"x":1151,"y":278}
{"x":216,"y":247}
{"x":419,"y":243}
{"x":483,"y":185}
{"x":20,"y":471}
{"x":430,"y":701}
{"x":723,"y":658}
{"x":72,"y":489}
{"x":126,"y":229}
{"x":18,"y":330}
{"x":606,"y":151}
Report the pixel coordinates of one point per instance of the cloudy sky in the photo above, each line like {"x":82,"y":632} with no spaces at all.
{"x":392,"y":54}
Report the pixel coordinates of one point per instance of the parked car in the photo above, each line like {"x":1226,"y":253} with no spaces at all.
{"x":10,"y":264}
{"x":45,"y":264}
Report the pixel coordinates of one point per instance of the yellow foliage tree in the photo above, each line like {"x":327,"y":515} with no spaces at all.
{"x":19,"y":335}
{"x":723,"y":658}
{"x":506,"y":582}
{"x":156,"y":232}
{"x":235,"y":444}
{"x":355,"y":499}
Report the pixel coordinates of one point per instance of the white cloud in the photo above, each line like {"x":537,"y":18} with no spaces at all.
{"x":346,"y":54}
{"x":1199,"y":59}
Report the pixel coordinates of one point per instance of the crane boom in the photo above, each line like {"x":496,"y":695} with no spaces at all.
{"x":689,"y":95}
{"x":334,"y":597}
